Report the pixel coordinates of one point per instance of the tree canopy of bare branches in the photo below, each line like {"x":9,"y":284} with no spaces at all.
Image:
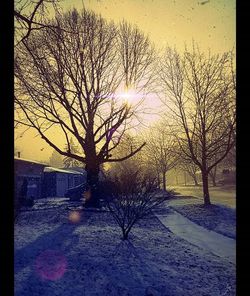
{"x":67,"y":76}
{"x":200,"y":96}
{"x":30,"y":15}
{"x":68,"y":161}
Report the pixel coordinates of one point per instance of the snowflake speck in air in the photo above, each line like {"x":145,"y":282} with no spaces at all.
{"x":50,"y":265}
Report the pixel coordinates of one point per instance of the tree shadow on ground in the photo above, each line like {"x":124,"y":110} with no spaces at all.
{"x":100,"y":264}
{"x":121,"y":270}
{"x":52,"y":240}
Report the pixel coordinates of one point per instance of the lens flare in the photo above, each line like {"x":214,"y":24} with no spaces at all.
{"x":128,"y":96}
{"x":74,"y":216}
{"x":87,"y":194}
{"x":50,"y":265}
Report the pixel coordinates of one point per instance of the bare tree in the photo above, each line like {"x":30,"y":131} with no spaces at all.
{"x":30,"y":15}
{"x":161,"y":151}
{"x":228,"y":162}
{"x":200,"y":95}
{"x":56,"y":159}
{"x":213,"y":175}
{"x":17,"y":151}
{"x":127,"y":144}
{"x":191,"y":168}
{"x":68,"y":79}
{"x":134,"y":199}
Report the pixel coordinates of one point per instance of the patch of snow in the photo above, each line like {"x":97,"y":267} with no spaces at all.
{"x":49,"y":169}
{"x":99,"y":263}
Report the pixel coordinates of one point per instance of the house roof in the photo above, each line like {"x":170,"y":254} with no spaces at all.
{"x":48,"y":169}
{"x":29,"y":160}
{"x":76,"y":169}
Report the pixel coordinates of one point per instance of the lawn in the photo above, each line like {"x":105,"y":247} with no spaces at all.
{"x":225,"y":195}
{"x":63,"y":252}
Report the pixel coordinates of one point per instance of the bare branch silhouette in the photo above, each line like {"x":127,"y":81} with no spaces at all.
{"x":68,"y":77}
{"x":200,"y":94}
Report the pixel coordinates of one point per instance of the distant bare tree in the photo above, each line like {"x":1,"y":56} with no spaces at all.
{"x":68,"y":161}
{"x":127,"y":144}
{"x":161,"y":151}
{"x":191,"y":168}
{"x":213,"y":175}
{"x":56,"y":159}
{"x":228,"y":162}
{"x":17,"y":151}
{"x":200,"y":95}
{"x":134,"y":199}
{"x":230,"y":159}
{"x":68,"y":79}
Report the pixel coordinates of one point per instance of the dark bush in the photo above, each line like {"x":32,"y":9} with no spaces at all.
{"x":106,"y":189}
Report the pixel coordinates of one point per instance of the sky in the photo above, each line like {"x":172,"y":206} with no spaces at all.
{"x":211,"y":24}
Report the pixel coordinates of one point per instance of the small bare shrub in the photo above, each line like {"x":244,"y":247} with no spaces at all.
{"x":135,"y":198}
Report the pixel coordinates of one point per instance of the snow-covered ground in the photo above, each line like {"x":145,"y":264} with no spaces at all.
{"x":61,"y":251}
{"x":222,"y":195}
{"x":211,"y":241}
{"x":219,"y":218}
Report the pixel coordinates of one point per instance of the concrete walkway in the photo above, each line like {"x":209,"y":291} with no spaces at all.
{"x":211,"y":241}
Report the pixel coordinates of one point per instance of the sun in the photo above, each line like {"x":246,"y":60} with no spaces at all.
{"x":128,"y":97}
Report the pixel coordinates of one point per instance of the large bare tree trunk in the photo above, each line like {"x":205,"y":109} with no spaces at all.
{"x":93,"y":183}
{"x":206,"y":195}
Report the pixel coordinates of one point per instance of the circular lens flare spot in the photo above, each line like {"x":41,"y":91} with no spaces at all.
{"x":74,"y":216}
{"x":87,"y":194}
{"x":50,"y":265}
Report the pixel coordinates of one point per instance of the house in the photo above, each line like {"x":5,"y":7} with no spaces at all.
{"x":45,"y":181}
{"x":57,"y":181}
{"x":29,"y":171}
